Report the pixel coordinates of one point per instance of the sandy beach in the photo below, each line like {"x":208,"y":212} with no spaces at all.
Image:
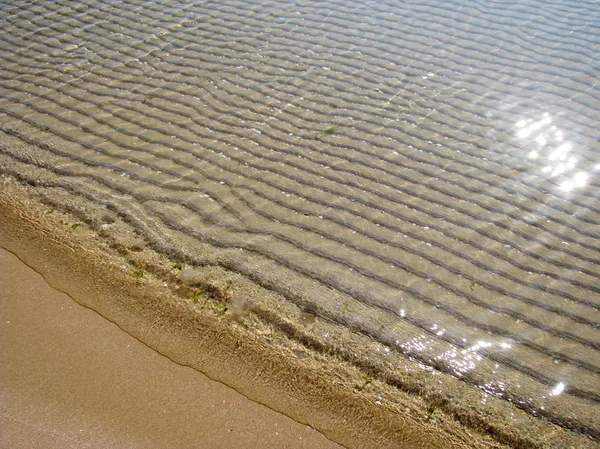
{"x":379,"y":219}
{"x":325,"y":392}
{"x":71,"y":379}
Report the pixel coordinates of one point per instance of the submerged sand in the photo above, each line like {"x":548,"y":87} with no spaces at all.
{"x":380,"y":218}
{"x":349,"y":403}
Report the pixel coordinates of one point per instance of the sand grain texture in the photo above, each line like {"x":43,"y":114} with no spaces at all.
{"x":71,"y":379}
{"x":397,"y":201}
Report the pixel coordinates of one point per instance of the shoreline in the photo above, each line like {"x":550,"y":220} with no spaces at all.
{"x":73,"y":379}
{"x":322,"y":392}
{"x":380,"y":220}
{"x":225,"y":353}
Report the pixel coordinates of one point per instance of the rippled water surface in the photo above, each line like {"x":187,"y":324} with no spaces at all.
{"x":423,"y":172}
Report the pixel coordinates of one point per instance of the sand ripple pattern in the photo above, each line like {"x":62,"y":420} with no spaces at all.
{"x":424,"y":172}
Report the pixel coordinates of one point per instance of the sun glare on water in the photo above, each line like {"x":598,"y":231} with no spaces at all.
{"x":554,"y":156}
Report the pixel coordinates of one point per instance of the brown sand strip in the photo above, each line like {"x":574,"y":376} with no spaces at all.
{"x":71,"y":379}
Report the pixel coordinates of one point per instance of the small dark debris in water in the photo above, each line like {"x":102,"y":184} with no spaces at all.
{"x":367,"y":382}
{"x":328,"y":131}
{"x":227,"y":287}
{"x":220,"y":309}
{"x":197,"y":294}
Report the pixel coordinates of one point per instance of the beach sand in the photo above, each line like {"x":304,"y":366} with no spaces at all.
{"x":379,"y":219}
{"x":72,"y":379}
{"x":70,"y":374}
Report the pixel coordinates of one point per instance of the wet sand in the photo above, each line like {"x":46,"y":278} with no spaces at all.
{"x":313,"y":389}
{"x":311,"y":386}
{"x":70,"y":379}
{"x":378,"y":218}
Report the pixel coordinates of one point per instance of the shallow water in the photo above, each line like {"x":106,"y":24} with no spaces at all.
{"x":423,"y":173}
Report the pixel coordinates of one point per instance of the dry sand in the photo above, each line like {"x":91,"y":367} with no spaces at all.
{"x":72,"y":379}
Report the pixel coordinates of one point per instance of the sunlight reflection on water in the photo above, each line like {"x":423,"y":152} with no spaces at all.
{"x":554,"y":156}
